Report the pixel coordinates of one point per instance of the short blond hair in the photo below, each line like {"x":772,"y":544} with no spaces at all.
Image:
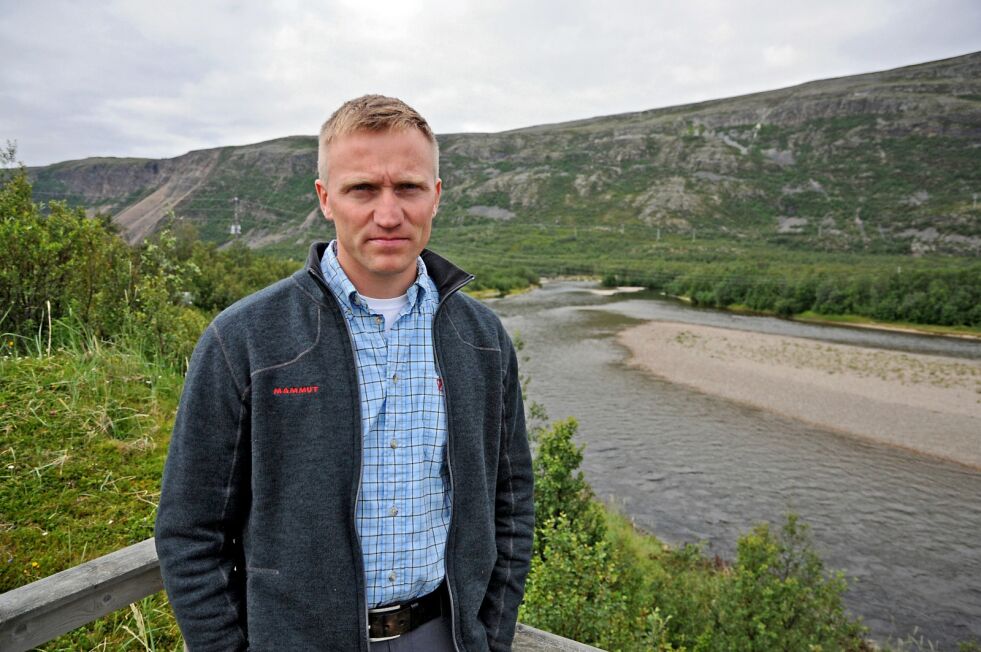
{"x":373,"y":113}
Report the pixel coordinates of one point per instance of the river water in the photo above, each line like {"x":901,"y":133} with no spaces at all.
{"x":690,"y":467}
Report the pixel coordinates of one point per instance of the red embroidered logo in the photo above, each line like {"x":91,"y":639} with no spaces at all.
{"x":439,"y":384}
{"x":308,"y":389}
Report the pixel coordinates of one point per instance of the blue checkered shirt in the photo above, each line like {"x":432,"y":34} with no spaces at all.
{"x":403,"y":510}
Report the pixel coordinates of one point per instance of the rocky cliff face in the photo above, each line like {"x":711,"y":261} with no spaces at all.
{"x":889,"y":160}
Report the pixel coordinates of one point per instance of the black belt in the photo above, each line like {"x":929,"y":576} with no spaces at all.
{"x":390,"y":622}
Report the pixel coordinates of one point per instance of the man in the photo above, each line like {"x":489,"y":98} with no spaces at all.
{"x":349,"y":468}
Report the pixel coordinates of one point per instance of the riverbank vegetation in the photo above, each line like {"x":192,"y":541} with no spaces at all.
{"x":723,"y":273}
{"x":949,"y":296}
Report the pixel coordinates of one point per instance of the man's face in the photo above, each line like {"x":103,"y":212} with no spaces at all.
{"x":381,"y":194}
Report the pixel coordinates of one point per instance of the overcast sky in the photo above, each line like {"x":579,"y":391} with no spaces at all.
{"x":129,"y":78}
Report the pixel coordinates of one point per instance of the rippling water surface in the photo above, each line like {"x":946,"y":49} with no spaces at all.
{"x":691,"y":467}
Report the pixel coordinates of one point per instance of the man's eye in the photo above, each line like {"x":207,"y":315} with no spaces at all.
{"x":408,"y":187}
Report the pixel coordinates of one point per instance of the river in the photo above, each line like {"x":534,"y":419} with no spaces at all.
{"x":690,"y":467}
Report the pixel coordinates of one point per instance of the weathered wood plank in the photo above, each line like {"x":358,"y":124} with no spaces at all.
{"x":34,"y":614}
{"x":529,"y":639}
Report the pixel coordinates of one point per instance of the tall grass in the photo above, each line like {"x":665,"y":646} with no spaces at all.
{"x":84,"y":426}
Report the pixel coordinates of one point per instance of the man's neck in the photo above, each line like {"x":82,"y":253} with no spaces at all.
{"x":382,"y":290}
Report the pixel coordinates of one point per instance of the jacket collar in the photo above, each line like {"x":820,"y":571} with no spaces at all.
{"x":448,"y":277}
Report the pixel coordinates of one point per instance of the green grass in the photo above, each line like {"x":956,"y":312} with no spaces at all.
{"x":84,"y":437}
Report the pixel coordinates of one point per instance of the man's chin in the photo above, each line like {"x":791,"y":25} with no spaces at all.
{"x":393,"y":265}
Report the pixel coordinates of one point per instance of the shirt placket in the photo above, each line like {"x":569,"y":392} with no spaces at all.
{"x":396,"y":478}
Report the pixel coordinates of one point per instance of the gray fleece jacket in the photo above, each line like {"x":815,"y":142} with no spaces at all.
{"x":255,"y":530}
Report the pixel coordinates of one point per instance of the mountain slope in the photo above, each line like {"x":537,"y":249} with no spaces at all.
{"x":887,"y":161}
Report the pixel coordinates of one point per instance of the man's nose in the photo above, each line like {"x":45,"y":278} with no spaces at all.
{"x":388,"y":210}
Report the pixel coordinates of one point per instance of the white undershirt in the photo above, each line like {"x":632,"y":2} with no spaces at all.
{"x":387,"y":308}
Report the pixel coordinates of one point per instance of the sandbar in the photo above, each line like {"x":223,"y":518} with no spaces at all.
{"x":925,"y":403}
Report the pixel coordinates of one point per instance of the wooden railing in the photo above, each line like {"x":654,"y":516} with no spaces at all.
{"x":38,"y":612}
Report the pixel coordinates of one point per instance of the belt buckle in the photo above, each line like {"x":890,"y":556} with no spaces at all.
{"x":381,"y":610}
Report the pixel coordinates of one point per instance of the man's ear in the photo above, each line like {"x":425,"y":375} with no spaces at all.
{"x":439,"y":193}
{"x":321,"y":188}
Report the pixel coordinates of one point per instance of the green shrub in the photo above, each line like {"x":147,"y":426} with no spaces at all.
{"x":580,"y":586}
{"x":583,"y":590}
{"x":56,"y":264}
{"x":158,"y":321}
{"x":778,"y":597}
{"x":560,"y":488}
{"x":685,"y":586}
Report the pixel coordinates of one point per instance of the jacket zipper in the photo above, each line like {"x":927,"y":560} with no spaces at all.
{"x":449,"y":466}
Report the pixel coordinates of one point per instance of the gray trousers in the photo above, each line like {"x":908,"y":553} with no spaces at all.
{"x":434,"y":636}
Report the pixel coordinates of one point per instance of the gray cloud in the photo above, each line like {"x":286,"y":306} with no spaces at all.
{"x":126,"y":78}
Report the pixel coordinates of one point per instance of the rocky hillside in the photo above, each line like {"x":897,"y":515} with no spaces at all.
{"x":887,"y":161}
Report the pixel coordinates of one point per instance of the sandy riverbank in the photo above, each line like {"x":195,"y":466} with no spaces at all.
{"x":929,"y":404}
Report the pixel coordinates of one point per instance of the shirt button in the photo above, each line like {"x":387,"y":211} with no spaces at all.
{"x":392,"y":576}
{"x":394,"y":443}
{"x":395,"y":378}
{"x":394,"y":511}
{"x":378,"y":320}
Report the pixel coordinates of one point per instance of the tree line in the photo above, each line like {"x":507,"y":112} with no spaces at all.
{"x":947,"y":297}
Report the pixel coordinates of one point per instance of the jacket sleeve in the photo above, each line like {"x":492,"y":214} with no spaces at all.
{"x":204,"y":494}
{"x":514,"y":518}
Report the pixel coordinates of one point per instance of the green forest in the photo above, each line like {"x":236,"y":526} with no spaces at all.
{"x":96,"y":337}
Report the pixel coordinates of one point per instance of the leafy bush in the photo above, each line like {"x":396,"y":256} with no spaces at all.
{"x":579,"y":586}
{"x":583,"y":589}
{"x":778,"y":597}
{"x":56,"y":264}
{"x":561,"y":492}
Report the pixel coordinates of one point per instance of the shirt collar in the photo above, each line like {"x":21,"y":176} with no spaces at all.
{"x":343,"y":289}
